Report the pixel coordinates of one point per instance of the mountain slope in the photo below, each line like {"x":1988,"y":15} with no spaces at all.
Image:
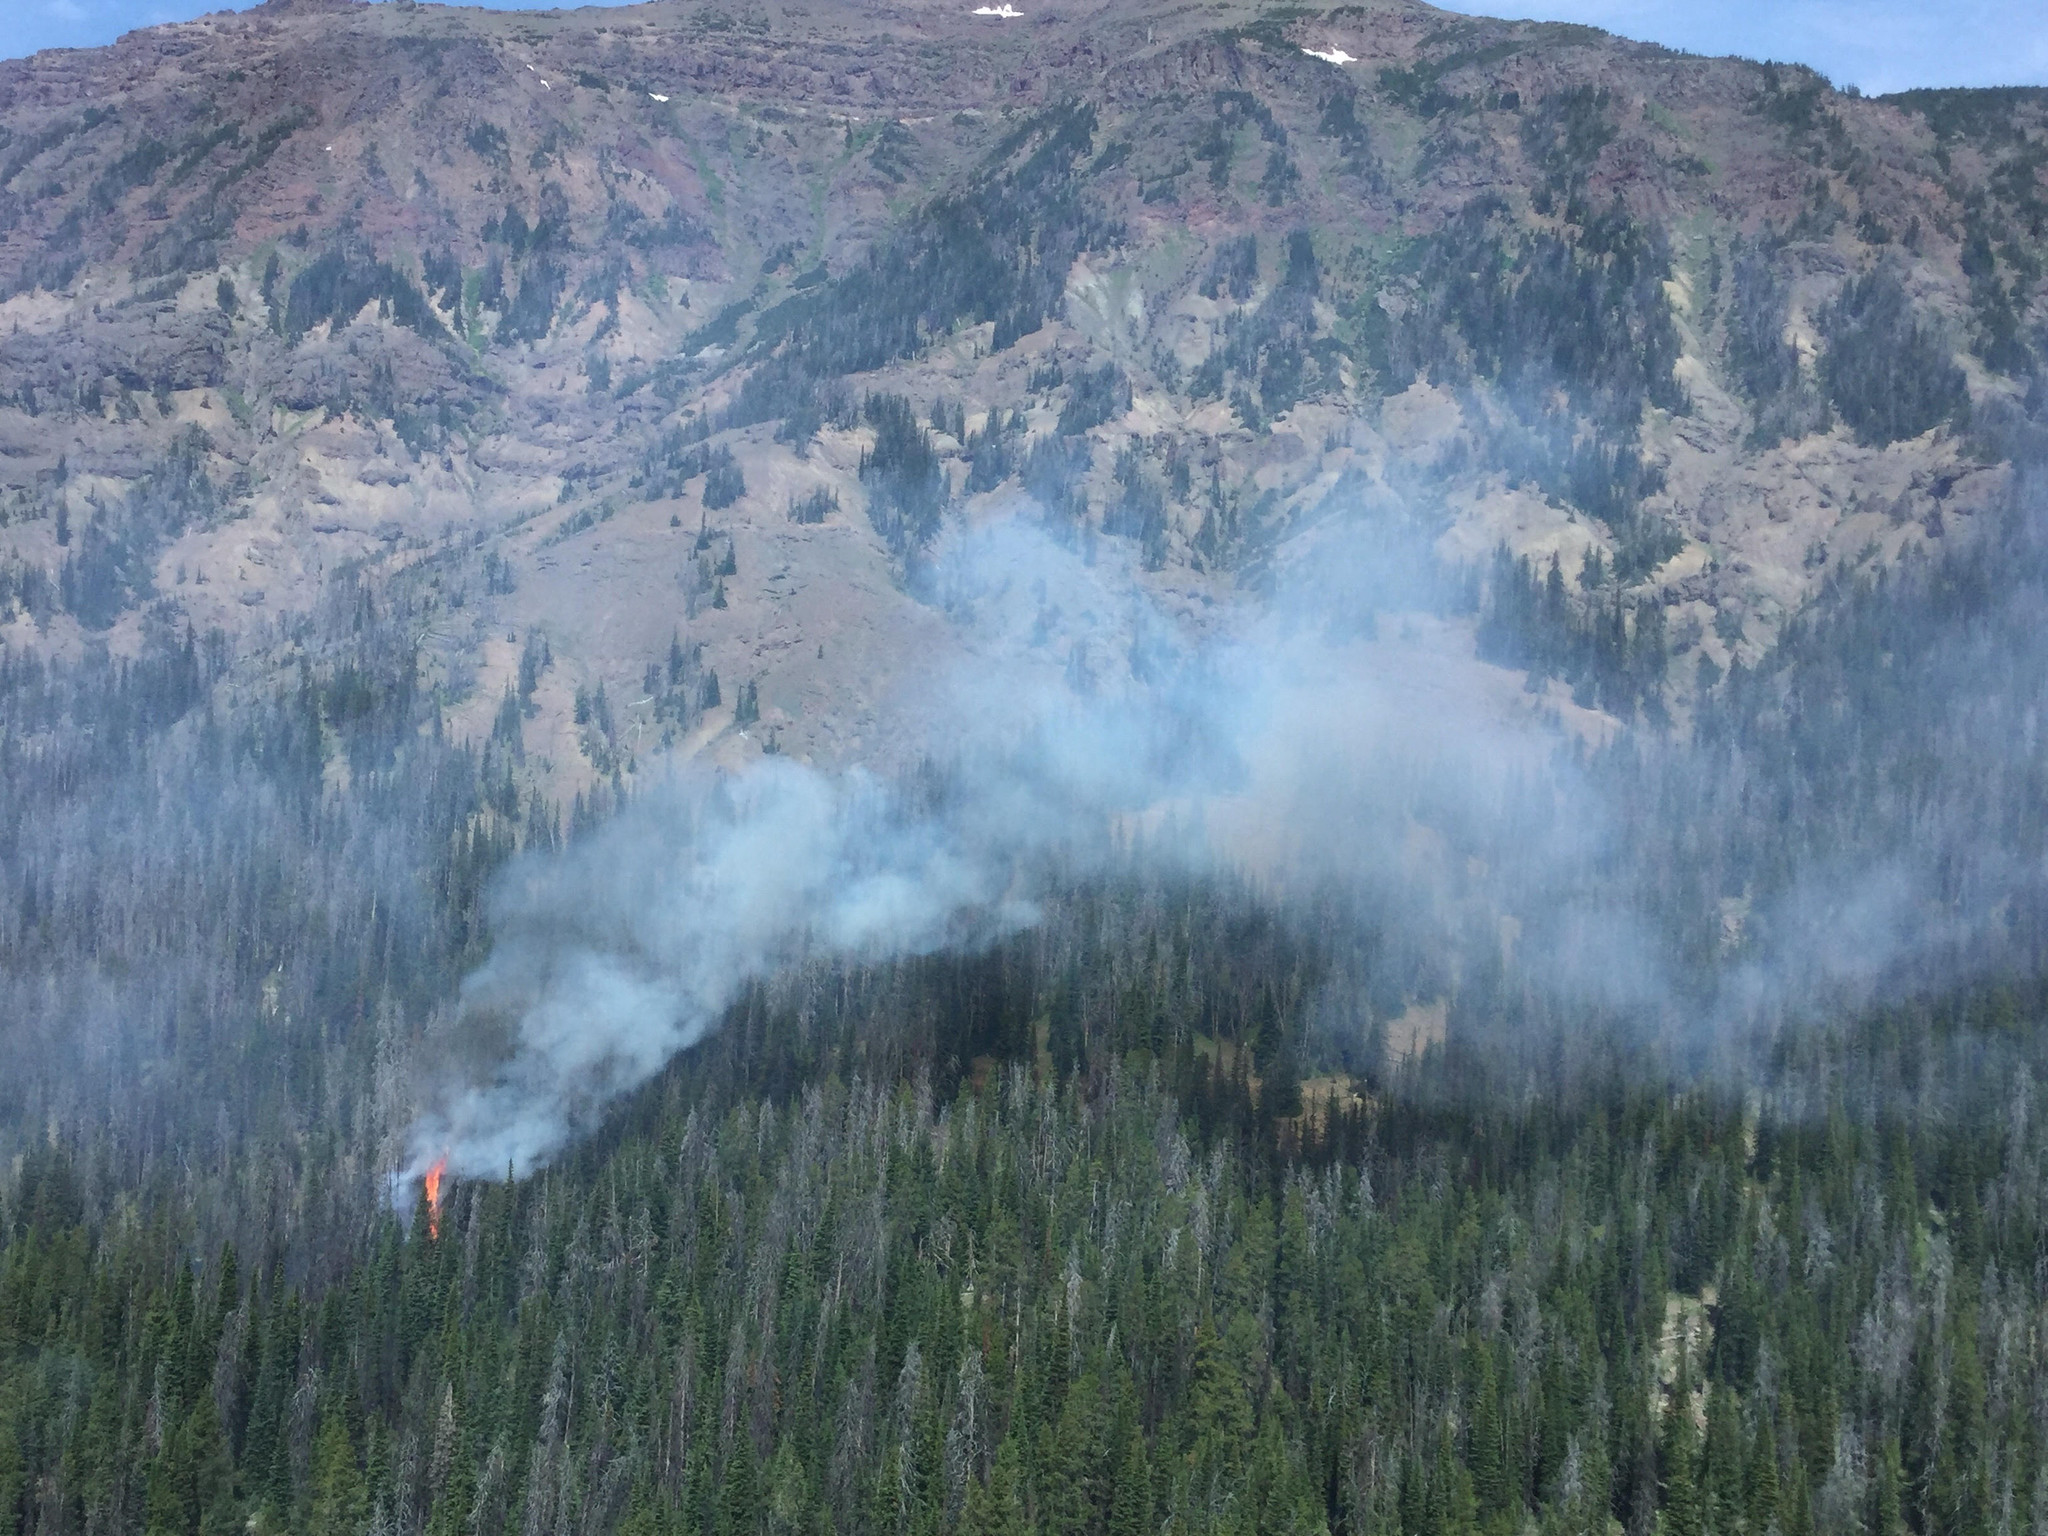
{"x":1416,"y":904}
{"x":416,"y":434}
{"x":460,"y":295}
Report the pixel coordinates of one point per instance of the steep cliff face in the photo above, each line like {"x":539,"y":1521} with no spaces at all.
{"x":656,"y":351}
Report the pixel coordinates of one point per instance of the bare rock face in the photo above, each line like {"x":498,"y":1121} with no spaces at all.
{"x":679,"y":336}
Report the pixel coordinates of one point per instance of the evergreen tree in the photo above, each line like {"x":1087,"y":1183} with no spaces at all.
{"x":1722,"y":1479}
{"x":1486,"y":1452}
{"x":1763,"y":1503}
{"x":339,"y":1502}
{"x":1682,"y":1513}
{"x":1130,"y":1510}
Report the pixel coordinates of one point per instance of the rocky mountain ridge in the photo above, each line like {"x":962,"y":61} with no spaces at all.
{"x":659,"y":351}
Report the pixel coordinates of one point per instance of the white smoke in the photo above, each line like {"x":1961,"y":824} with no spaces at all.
{"x":629,"y":947}
{"x":1340,"y":731}
{"x":1082,"y":714}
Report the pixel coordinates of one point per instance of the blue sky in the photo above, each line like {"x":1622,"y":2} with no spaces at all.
{"x":1879,"y":45}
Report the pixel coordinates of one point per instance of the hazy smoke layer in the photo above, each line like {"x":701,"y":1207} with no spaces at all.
{"x":1083,"y":717}
{"x":1326,"y":735}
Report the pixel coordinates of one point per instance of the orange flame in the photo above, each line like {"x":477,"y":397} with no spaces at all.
{"x":432,"y":1180}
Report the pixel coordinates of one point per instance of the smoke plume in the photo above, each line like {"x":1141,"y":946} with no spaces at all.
{"x":1341,"y":731}
{"x":1082,"y":717}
